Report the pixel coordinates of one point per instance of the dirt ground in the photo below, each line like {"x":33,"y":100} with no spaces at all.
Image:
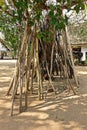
{"x":67,"y":112}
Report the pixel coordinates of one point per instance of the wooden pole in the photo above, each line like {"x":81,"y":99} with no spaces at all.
{"x":26,"y":66}
{"x":66,"y":66}
{"x":52,"y":52}
{"x":19,"y":72}
{"x":71,"y":56}
{"x":38,"y":67}
{"x":15,"y":83}
{"x":20,"y":86}
{"x":10,"y":86}
{"x":26,"y":76}
{"x":13,"y":78}
{"x":32,"y":72}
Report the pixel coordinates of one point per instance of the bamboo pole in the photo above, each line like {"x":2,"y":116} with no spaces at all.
{"x":21,"y":87}
{"x":13,"y":78}
{"x":52,"y":52}
{"x":71,"y":56}
{"x":60,"y":57}
{"x":50,"y":80}
{"x":28,"y":71}
{"x":26,"y":68}
{"x":38,"y":71}
{"x":26,"y":76}
{"x":32,"y":72}
{"x":19,"y":72}
{"x":10,"y":87}
{"x":38,"y":67}
{"x":14,"y":88}
{"x":31,"y":85}
{"x":29,"y":60}
{"x":66,"y":66}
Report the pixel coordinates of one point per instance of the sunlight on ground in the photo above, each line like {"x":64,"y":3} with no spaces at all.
{"x":82,"y":72}
{"x":74,"y":125}
{"x":75,"y":96}
{"x":66,"y":112}
{"x":5,"y":79}
{"x":39,"y":115}
{"x":8,"y":61}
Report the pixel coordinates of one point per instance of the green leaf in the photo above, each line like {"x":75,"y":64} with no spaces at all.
{"x":53,"y":21}
{"x":66,"y":20}
{"x":77,"y":8}
{"x":31,"y":21}
{"x":40,"y":35}
{"x":82,"y":6}
{"x":20,"y":15}
{"x":21,"y":5}
{"x":2,"y":2}
{"x":51,"y":13}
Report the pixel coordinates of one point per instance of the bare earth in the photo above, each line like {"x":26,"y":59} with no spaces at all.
{"x":56,"y":113}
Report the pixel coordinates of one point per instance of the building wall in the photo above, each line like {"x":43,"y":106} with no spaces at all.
{"x":84,"y":51}
{"x":2,"y":48}
{"x":3,"y":51}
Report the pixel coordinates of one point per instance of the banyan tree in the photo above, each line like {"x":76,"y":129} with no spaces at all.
{"x":44,"y":47}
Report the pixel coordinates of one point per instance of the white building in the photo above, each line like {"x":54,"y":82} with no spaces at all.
{"x":3,"y":51}
{"x":83,"y":49}
{"x":3,"y":48}
{"x":84,"y":52}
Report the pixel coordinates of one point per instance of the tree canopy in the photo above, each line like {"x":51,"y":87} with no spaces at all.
{"x":14,"y":14}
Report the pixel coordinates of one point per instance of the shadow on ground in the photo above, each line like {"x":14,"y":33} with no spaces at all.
{"x":56,"y":113}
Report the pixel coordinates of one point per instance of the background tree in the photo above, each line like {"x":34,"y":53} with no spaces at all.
{"x":11,"y":32}
{"x":77,"y":27}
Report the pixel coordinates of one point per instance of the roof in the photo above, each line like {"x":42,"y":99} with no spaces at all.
{"x":84,"y":44}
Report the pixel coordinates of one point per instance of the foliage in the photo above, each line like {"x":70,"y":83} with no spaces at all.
{"x":15,"y":13}
{"x":1,"y":2}
{"x":10,"y":32}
